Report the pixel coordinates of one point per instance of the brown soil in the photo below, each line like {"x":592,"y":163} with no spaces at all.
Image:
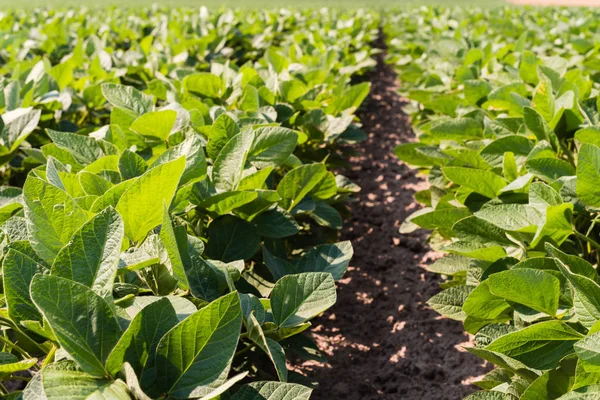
{"x":381,"y":339}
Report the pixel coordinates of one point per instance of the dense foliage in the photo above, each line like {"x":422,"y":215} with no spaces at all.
{"x":169,"y":221}
{"x":506,"y":107}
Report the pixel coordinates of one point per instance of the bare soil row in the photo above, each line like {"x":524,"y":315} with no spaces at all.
{"x":381,"y":339}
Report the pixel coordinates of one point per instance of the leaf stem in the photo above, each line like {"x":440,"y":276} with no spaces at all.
{"x":14,"y":346}
{"x":591,"y":241}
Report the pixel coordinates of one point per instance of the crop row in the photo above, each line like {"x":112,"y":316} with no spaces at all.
{"x":169,"y":221}
{"x":505,"y":104}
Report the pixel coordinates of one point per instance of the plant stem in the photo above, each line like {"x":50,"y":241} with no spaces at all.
{"x":49,"y":357}
{"x":591,"y":241}
{"x":14,"y":346}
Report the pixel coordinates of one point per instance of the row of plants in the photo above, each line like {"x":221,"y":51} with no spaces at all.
{"x":505,"y":106}
{"x":169,"y":221}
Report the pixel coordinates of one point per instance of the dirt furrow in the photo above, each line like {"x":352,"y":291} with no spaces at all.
{"x":381,"y":339}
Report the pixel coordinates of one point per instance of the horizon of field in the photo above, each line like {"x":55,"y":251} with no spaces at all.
{"x":245,"y":4}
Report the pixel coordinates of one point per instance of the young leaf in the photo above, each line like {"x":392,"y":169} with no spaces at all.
{"x":142,"y":204}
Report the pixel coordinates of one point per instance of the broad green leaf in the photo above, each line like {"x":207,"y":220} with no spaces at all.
{"x":84,"y":148}
{"x":141,"y":206}
{"x":52,"y":217}
{"x":175,"y":242}
{"x":585,"y":393}
{"x":298,"y":298}
{"x":485,"y":183}
{"x":482,"y":304}
{"x":511,"y":217}
{"x":272,"y":391}
{"x":586,"y":298}
{"x":231,"y":238}
{"x":297,"y":183}
{"x":276,"y":223}
{"x":332,"y":258}
{"x":588,"y":175}
{"x":20,"y":265}
{"x":58,"y":384}
{"x":588,"y":350}
{"x":539,"y":346}
{"x":272,"y":146}
{"x":92,"y":255}
{"x":131,"y":165}
{"x":82,"y":321}
{"x":195,"y":160}
{"x":138,"y":344}
{"x":192,"y":357}
{"x":449,"y":302}
{"x":127,"y":98}
{"x":205,"y":84}
{"x":156,"y":124}
{"x":533,"y":288}
{"x":229,"y":165}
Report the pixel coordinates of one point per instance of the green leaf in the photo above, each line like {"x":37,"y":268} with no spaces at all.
{"x":194,"y":356}
{"x":585,"y":393}
{"x":332,"y":258}
{"x":82,"y":321}
{"x":449,"y":302}
{"x":276,"y":223}
{"x":586,"y":298}
{"x":297,"y":298}
{"x":175,"y":242}
{"x":588,"y":350}
{"x":485,"y":183}
{"x":269,"y":346}
{"x":52,"y":217}
{"x":297,"y":183}
{"x":20,"y":265}
{"x":539,"y":346}
{"x":272,"y":391}
{"x":549,"y":169}
{"x":156,"y":124}
{"x":484,"y":305}
{"x":17,"y":365}
{"x":588,"y":175}
{"x":205,"y":84}
{"x":533,"y":288}
{"x":128,"y":98}
{"x":92,"y":255}
{"x":231,"y":238}
{"x":84,"y":148}
{"x":195,"y":160}
{"x":131,"y":165}
{"x":272,"y":146}
{"x":138,"y":344}
{"x":141,"y":206}
{"x":229,"y":165}
{"x":576,"y":264}
{"x":511,"y":217}
{"x":57,"y":384}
